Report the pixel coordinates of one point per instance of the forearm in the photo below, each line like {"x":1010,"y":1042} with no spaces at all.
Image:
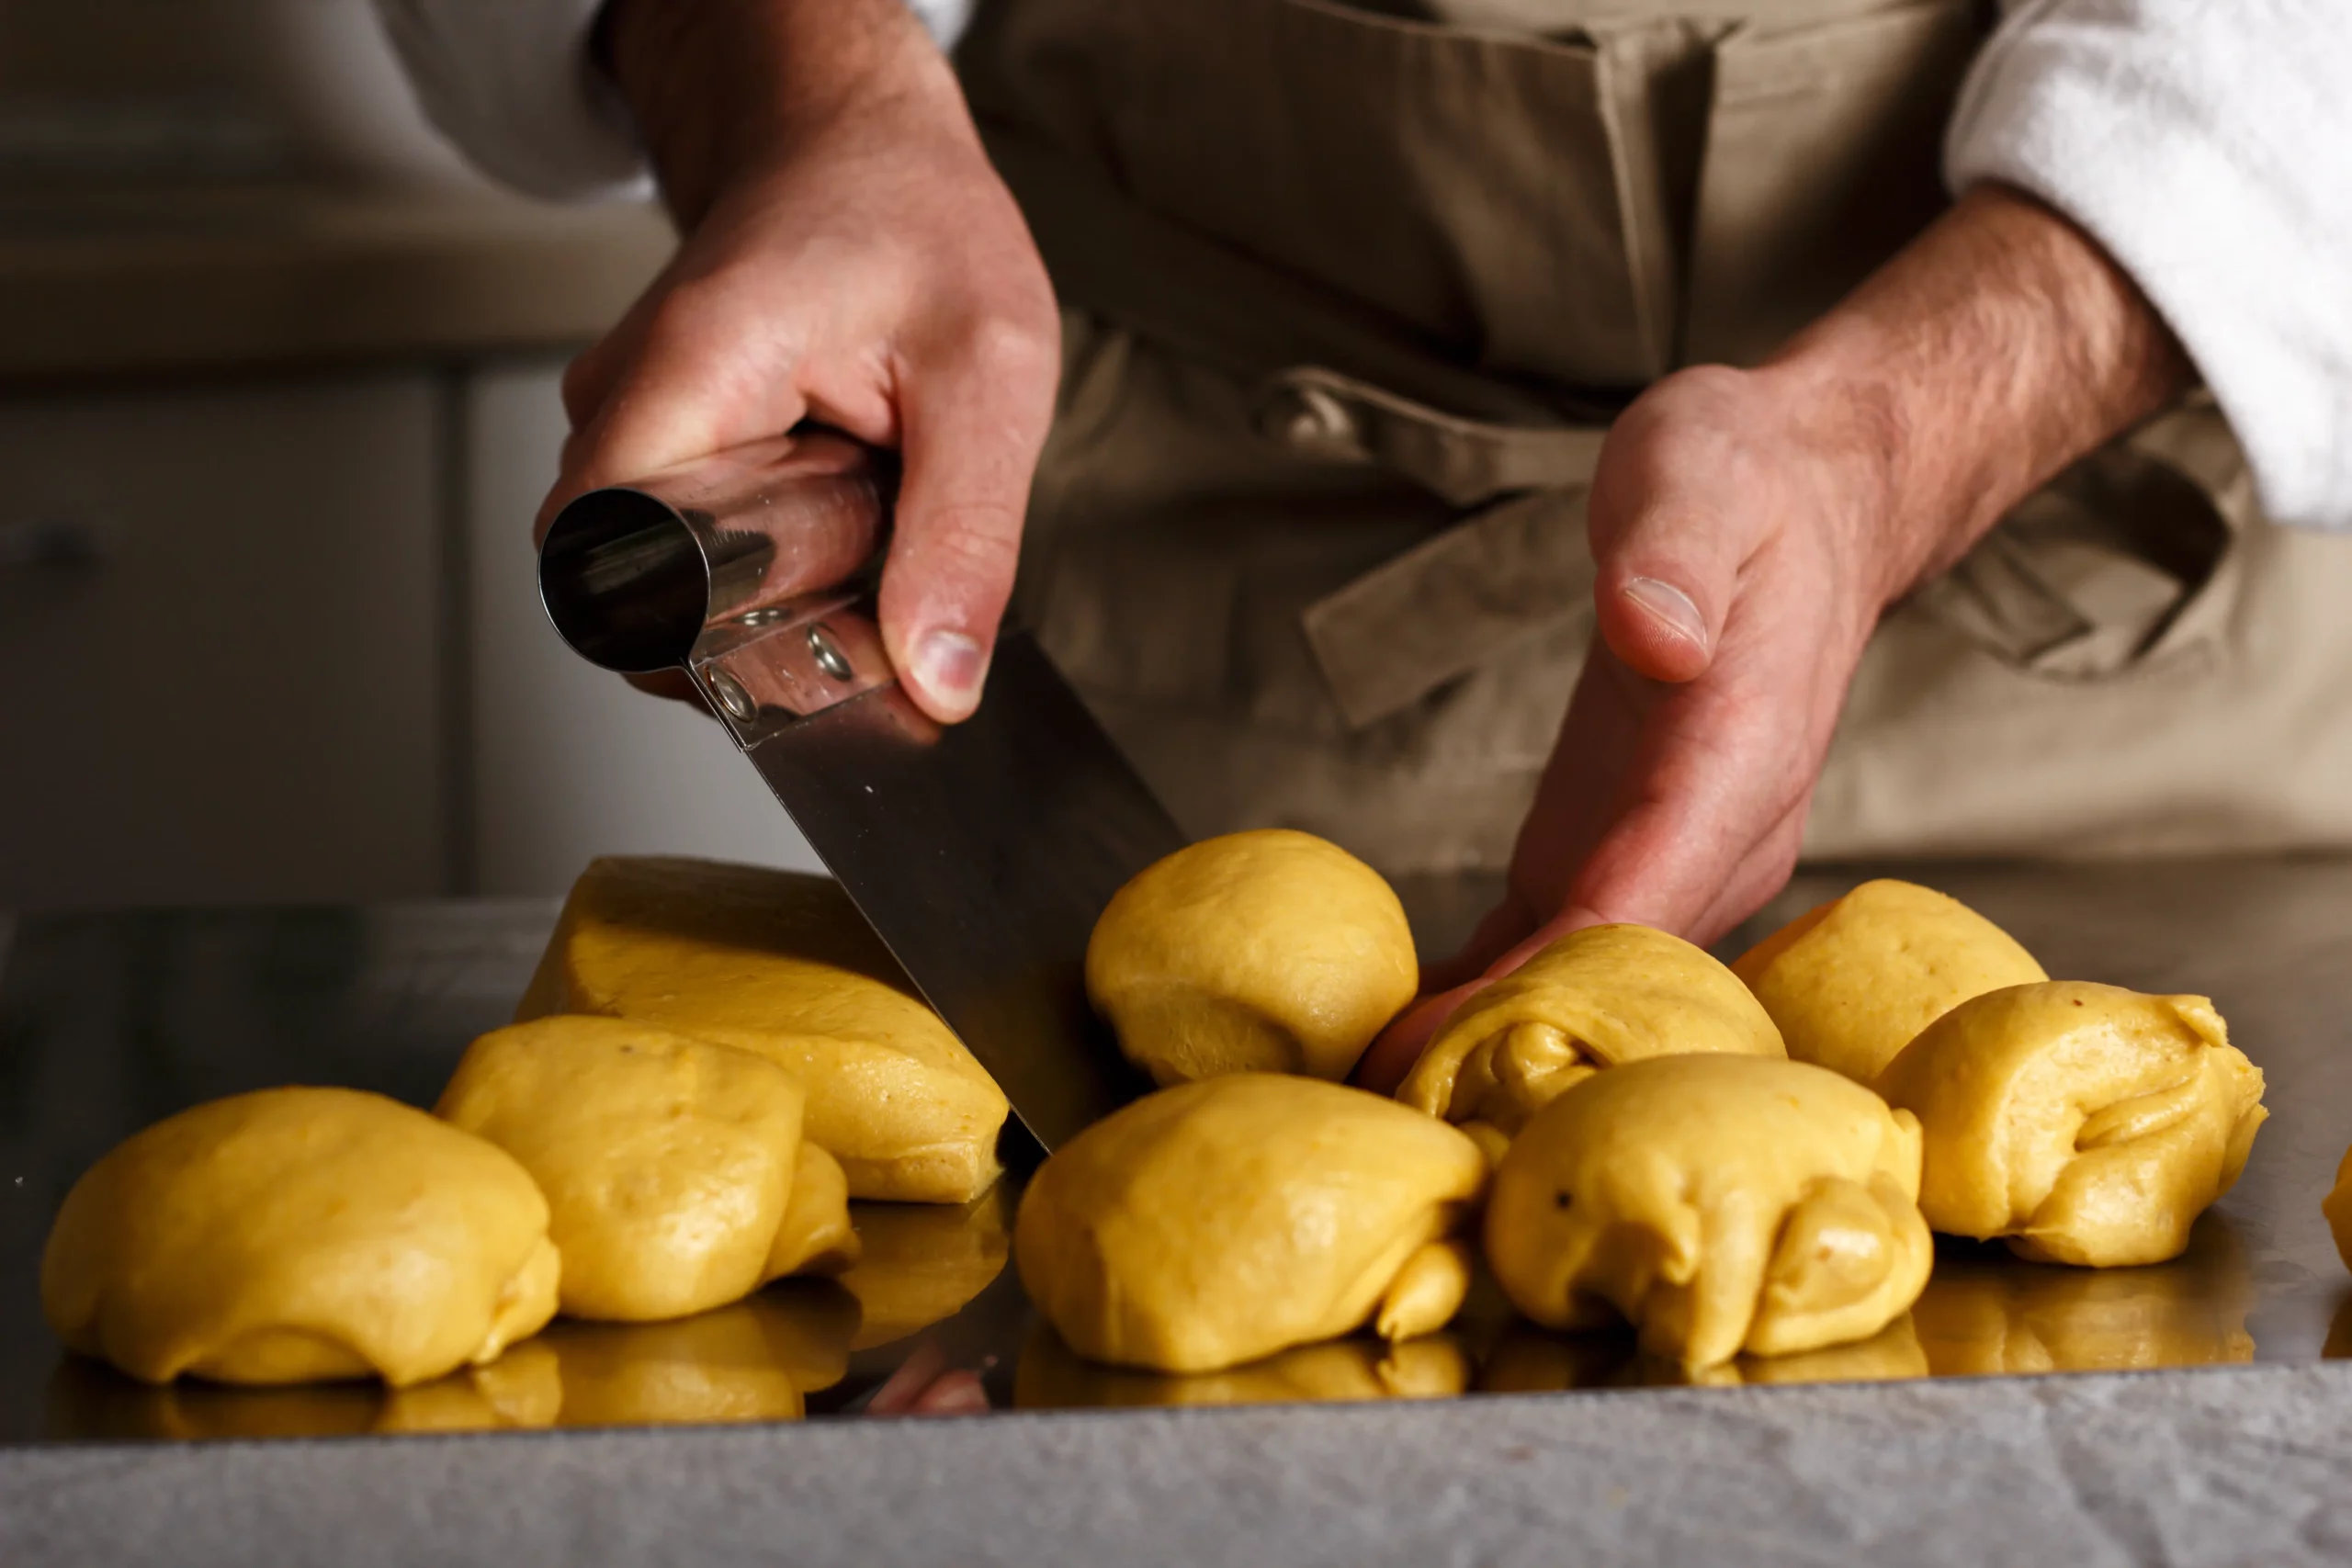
{"x":1999,"y":346}
{"x":721,"y":85}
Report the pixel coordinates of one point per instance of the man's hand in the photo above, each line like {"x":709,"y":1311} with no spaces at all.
{"x":849,"y":256}
{"x":1750,"y":526}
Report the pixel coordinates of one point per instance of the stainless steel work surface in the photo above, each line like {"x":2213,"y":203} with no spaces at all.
{"x":107,"y":1022}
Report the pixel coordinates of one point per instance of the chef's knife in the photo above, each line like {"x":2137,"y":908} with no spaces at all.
{"x":981,"y":852}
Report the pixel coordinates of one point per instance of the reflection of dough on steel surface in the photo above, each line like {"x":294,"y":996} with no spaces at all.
{"x":751,"y":1362}
{"x":1052,"y":1376}
{"x":1985,"y":1312}
{"x":1852,"y":981}
{"x":1719,"y":1204}
{"x":2083,"y":1123}
{"x":1218,"y":1221}
{"x":782,"y":965}
{"x":923,"y":1262}
{"x":1529,"y":1360}
{"x":1592,"y":1000}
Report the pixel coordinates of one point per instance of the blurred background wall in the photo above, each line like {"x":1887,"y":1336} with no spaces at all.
{"x":278,"y":402}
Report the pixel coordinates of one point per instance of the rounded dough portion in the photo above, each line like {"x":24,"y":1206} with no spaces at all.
{"x":1594,"y":998}
{"x":1719,"y":1204}
{"x":783,"y":965}
{"x":1850,"y":982}
{"x":674,"y":1168}
{"x":1271,"y":951}
{"x":2085,"y":1124}
{"x":1218,"y":1221}
{"x":297,"y":1235}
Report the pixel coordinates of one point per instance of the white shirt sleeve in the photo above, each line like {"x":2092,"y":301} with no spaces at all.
{"x":511,"y":82}
{"x":2208,"y":147}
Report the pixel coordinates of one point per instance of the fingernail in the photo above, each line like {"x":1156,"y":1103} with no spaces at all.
{"x":948,"y":664}
{"x":1670,"y":607}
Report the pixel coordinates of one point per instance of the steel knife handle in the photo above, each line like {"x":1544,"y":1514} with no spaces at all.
{"x":750,"y":569}
{"x":634,"y":575}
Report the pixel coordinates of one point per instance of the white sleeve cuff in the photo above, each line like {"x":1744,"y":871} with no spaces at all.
{"x":2207,"y":149}
{"x":511,"y":82}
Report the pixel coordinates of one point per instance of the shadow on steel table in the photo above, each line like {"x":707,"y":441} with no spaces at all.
{"x":111,"y":1021}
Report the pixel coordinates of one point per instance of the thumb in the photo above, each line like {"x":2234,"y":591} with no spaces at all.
{"x":972,"y":432}
{"x":1667,"y":546}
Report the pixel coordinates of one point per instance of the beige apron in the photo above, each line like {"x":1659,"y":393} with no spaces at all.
{"x":1353,"y":291}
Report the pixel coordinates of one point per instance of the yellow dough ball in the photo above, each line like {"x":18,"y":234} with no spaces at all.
{"x":1850,"y":982}
{"x":297,"y":1235}
{"x":1719,"y":1204}
{"x":783,"y":965}
{"x":1594,"y":998}
{"x":2085,"y":1124}
{"x":1270,"y":952}
{"x":1051,"y":1376}
{"x":1219,"y":1221}
{"x":674,"y":1171}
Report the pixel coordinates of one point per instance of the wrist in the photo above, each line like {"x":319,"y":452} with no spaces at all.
{"x":723,"y":87}
{"x":1996,"y":350}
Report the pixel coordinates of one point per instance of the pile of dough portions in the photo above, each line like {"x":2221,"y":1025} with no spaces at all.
{"x":712,"y":1060}
{"x":1742,"y":1163}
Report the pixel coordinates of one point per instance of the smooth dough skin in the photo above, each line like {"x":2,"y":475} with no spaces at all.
{"x":783,"y":965}
{"x":298,"y":1235}
{"x":1592,"y":1000}
{"x":1266,"y":951}
{"x":1051,"y":1376}
{"x":674,"y":1171}
{"x":1219,"y":1221}
{"x":2083,"y":1123}
{"x":1851,"y":982}
{"x":1719,"y":1204}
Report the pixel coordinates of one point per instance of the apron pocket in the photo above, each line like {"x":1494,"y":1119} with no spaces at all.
{"x":2125,"y":562}
{"x":1822,"y":159}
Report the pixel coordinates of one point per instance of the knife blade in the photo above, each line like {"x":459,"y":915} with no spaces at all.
{"x":981,"y":852}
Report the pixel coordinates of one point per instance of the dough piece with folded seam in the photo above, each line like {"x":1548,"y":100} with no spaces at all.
{"x":1719,"y":1203}
{"x":1219,"y":1221}
{"x":675,"y":1171}
{"x":299,"y":1235}
{"x":1850,"y":982}
{"x":1592,"y":1000}
{"x":781,"y":964}
{"x":2080,"y":1122}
